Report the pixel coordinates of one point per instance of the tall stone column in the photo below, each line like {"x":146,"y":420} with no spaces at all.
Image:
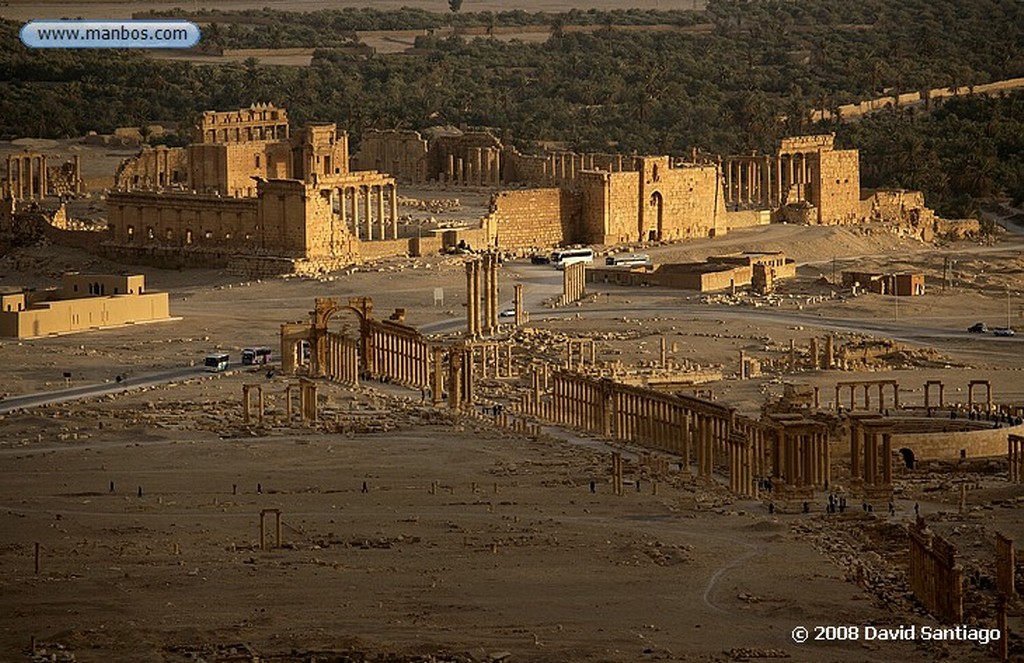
{"x":486,"y":275}
{"x":355,"y":211}
{"x":729,"y":198}
{"x":394,"y":210}
{"x":887,"y":459}
{"x":470,"y":308}
{"x":476,"y":297}
{"x":518,"y":303}
{"x":493,"y":295}
{"x":368,"y":211}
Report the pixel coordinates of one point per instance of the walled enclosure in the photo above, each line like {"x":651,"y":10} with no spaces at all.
{"x":85,"y":301}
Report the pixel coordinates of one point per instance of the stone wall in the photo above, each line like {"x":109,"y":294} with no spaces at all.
{"x":948,"y":445}
{"x":747,"y":218}
{"x":680,"y":201}
{"x":153,"y":167}
{"x":64,"y":316}
{"x":400,"y":153}
{"x":660,"y":201}
{"x":534,"y":218}
{"x":838,"y":190}
{"x":182,"y":220}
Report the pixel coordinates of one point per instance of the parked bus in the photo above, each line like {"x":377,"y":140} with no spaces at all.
{"x":216,"y":362}
{"x":252,"y":356}
{"x":628,"y":259}
{"x":561,"y":259}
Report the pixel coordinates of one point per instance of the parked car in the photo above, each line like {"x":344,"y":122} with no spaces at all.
{"x":1003,"y":331}
{"x":540,"y":259}
{"x":507,"y":313}
{"x":978,"y":328}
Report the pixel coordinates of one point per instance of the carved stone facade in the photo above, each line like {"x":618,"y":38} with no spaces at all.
{"x":807,"y":172}
{"x":231,"y":148}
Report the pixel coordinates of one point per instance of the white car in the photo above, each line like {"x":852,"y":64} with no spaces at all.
{"x":507,"y":313}
{"x":1003,"y":331}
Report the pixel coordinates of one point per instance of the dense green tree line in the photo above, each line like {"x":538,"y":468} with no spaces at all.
{"x":968,"y":149}
{"x":750,"y":78}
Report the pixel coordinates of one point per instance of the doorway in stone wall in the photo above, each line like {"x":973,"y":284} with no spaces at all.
{"x":657,"y":203}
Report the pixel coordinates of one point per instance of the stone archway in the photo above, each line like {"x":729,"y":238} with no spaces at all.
{"x":908,"y":457}
{"x":658,"y":203}
{"x":324,"y":309}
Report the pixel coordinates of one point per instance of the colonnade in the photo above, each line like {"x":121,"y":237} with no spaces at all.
{"x":935,"y":576}
{"x":362,"y":206}
{"x":749,"y":181}
{"x":495,"y":358}
{"x":867,"y":385}
{"x":801,"y":459}
{"x":750,"y":455}
{"x":481,"y":166}
{"x":582,"y":349}
{"x":1015,"y":456}
{"x":574,"y":283}
{"x":767,"y":182}
{"x":871,"y":456}
{"x":342,"y":359}
{"x":399,"y":353}
{"x":482,"y":283}
{"x":27,"y":176}
{"x":680,"y":425}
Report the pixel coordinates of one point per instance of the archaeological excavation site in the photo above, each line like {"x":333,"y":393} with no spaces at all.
{"x":284,"y":385}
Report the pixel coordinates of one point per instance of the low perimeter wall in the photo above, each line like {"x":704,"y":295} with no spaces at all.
{"x":947,"y":446}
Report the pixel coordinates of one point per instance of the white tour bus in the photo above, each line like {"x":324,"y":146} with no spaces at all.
{"x":564,"y":257}
{"x":216,"y":362}
{"x":628,"y":259}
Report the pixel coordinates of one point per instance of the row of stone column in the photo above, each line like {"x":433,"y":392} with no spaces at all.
{"x":870,"y":456}
{"x":650,"y":419}
{"x":802,"y":457}
{"x":371,"y":198}
{"x":1015,"y":455}
{"x":495,"y":359}
{"x":343,"y":359}
{"x":480,"y":167}
{"x":27,"y":176}
{"x":880,"y":384}
{"x":791,"y":170}
{"x":748,"y":181}
{"x":482,"y":285}
{"x":580,"y":349}
{"x":402,"y":357}
{"x":577,"y":402}
{"x":574,"y":283}
{"x":935,"y":577}
{"x":566,"y":166}
{"x":749,"y":456}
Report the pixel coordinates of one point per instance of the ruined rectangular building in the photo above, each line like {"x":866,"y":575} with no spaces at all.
{"x":229,"y":149}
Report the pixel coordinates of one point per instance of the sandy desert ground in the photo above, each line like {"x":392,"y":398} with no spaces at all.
{"x":470,"y":542}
